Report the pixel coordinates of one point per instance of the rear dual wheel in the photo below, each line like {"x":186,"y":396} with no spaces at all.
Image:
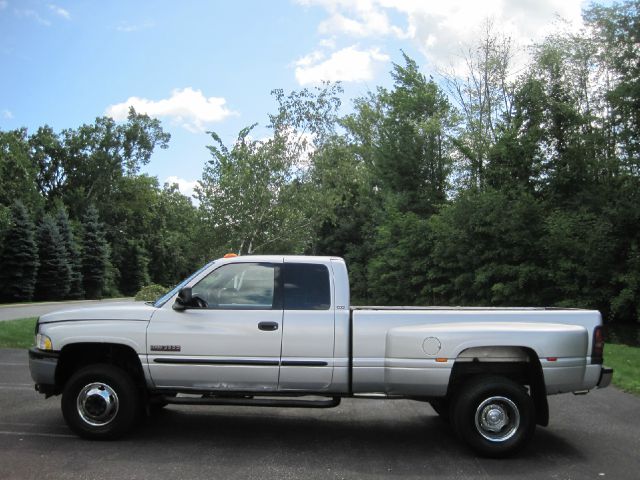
{"x":494,"y":415}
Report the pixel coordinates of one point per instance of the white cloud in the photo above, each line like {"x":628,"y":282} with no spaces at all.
{"x":328,"y":43}
{"x":61,"y":12}
{"x":359,"y":18}
{"x":440,"y":29}
{"x":186,"y":187}
{"x":7,"y":114}
{"x":134,"y":27}
{"x":33,"y":15}
{"x":187,"y":107}
{"x":347,"y":65}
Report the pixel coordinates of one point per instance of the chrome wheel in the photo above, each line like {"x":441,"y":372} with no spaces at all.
{"x":97,"y":404}
{"x":497,"y":419}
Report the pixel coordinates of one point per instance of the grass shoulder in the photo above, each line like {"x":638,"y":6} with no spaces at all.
{"x":17,"y":333}
{"x":625,"y":361}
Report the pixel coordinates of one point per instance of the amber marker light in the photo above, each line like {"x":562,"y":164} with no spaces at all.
{"x":230,"y":255}
{"x":441,"y":360}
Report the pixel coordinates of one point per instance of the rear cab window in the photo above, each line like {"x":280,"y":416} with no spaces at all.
{"x":306,"y":286}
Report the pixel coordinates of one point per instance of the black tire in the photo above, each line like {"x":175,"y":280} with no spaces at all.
{"x":509,"y":416}
{"x":100,"y":402}
{"x":441,"y":407}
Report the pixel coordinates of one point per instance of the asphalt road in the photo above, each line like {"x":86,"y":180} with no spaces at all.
{"x":12,"y":312}
{"x":591,"y":437}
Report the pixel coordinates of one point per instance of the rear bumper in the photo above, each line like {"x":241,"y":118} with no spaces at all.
{"x":606,"y":374}
{"x":42,"y":365}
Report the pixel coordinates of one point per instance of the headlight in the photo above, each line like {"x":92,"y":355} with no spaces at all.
{"x":43,"y":342}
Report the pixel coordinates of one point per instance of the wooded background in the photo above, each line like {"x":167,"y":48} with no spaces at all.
{"x":485,"y":187}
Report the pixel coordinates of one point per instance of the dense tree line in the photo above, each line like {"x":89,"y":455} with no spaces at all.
{"x":78,"y":220}
{"x":500,"y":192}
{"x":469,"y":188}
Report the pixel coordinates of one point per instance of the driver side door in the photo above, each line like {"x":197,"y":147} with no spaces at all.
{"x":233,"y":342}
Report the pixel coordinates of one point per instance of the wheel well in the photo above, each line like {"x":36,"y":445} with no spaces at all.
{"x":78,"y":355}
{"x":519,"y":364}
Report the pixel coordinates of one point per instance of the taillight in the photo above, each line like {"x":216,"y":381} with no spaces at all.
{"x":598,"y":345}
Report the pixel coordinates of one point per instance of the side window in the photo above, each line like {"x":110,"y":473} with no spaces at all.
{"x":238,"y":286}
{"x":306,"y":287}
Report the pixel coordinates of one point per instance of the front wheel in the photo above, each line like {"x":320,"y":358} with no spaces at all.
{"x":100,"y":402}
{"x":494,"y":415}
{"x":441,"y":407}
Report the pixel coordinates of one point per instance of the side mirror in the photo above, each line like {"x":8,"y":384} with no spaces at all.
{"x":183,"y":300}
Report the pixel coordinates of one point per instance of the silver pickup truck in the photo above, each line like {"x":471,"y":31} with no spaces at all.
{"x":279,"y":331}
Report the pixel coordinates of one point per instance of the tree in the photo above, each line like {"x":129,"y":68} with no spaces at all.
{"x":173,"y":238}
{"x":54,"y":272}
{"x":486,"y":251}
{"x":615,"y":31}
{"x":17,"y":172}
{"x":391,"y":174}
{"x":48,"y":154}
{"x":483,"y":91}
{"x":411,"y":159}
{"x":579,"y":248}
{"x":134,"y":275}
{"x":516,"y":159}
{"x":398,"y":263}
{"x":19,"y":257}
{"x":343,"y":179}
{"x":72,"y":250}
{"x":256,"y":195}
{"x":94,"y":254}
{"x":93,"y":159}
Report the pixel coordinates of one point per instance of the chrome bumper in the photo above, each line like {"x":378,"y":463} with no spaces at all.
{"x":605,"y":377}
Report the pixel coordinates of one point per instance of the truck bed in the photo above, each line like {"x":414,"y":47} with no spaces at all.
{"x":412,"y":350}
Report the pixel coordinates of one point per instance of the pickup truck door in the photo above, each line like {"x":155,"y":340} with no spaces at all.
{"x":233,"y":343}
{"x":308,"y":327}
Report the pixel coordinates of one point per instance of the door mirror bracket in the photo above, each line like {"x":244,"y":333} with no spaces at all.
{"x":183,"y":300}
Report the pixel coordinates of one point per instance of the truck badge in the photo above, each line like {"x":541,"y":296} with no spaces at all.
{"x":165,"y":348}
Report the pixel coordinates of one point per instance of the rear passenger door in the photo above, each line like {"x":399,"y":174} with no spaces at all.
{"x":308,"y":327}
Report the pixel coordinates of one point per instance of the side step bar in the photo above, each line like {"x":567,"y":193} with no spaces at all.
{"x":253,"y":402}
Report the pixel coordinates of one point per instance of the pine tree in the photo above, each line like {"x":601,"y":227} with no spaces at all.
{"x":19,"y":257}
{"x":94,"y":254}
{"x":72,"y":248}
{"x":54,"y":274}
{"x":134,"y":272}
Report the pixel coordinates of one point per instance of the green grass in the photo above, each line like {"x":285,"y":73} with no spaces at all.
{"x":17,"y":333}
{"x":625,"y":361}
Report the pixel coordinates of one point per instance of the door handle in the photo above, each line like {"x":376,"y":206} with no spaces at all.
{"x":268,"y":326}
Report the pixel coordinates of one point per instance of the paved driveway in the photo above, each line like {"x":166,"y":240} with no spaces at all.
{"x":12,"y":312}
{"x":596,"y":436}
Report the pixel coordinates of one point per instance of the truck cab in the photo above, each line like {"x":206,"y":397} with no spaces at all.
{"x":253,"y":324}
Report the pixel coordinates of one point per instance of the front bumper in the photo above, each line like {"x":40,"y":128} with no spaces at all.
{"x":606,"y":374}
{"x":42,"y":365}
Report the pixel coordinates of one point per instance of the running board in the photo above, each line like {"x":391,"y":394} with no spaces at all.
{"x":254,"y":402}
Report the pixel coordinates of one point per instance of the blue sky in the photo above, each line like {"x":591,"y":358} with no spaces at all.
{"x":210,"y":65}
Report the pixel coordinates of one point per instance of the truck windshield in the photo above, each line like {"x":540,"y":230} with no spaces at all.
{"x":163,"y":299}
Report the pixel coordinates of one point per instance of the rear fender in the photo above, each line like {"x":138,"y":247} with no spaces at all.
{"x":448,"y":341}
